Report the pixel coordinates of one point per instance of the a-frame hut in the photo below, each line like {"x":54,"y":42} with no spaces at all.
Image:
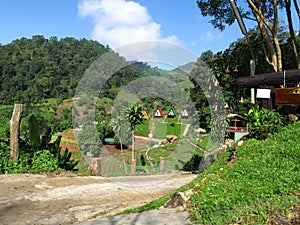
{"x":158,"y":113}
{"x":184,"y":114}
{"x":172,"y":113}
{"x":145,"y":114}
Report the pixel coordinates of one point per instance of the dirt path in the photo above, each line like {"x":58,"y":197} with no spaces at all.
{"x":68,"y":199}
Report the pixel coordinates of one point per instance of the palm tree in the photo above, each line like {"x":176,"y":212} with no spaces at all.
{"x":135,"y":117}
{"x":118,"y":127}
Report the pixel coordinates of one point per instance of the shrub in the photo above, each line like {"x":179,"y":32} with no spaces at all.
{"x":263,"y":122}
{"x":36,"y":154}
{"x":5,"y":161}
{"x":44,"y":161}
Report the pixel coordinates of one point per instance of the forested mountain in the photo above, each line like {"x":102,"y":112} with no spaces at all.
{"x":38,"y":68}
{"x":35,"y":69}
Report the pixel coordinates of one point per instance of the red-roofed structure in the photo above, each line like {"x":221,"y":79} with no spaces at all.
{"x":158,"y":113}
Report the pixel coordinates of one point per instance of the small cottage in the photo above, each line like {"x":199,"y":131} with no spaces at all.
{"x":158,"y":113}
{"x":172,"y":113}
{"x":184,"y":114}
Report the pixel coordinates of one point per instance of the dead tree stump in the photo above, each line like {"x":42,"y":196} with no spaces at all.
{"x":14,"y":125}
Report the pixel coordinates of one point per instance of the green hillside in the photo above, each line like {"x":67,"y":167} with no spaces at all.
{"x":258,"y":183}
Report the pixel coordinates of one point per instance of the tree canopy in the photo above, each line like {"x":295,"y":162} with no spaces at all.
{"x":35,"y":69}
{"x":266,"y":15}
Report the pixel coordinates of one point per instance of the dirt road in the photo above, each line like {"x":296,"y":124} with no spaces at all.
{"x":68,"y":199}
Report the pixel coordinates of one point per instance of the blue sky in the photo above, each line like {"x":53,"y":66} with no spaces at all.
{"x":114,"y":22}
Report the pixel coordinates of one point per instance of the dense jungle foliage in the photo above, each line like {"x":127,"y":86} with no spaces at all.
{"x":35,"y":69}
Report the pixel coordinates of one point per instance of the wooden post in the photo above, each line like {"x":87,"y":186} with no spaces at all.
{"x":162,"y":165}
{"x":14,"y":124}
{"x":133,"y":167}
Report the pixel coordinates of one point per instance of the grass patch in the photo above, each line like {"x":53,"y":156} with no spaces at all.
{"x":77,"y":155}
{"x":262,"y":181}
{"x":142,"y":129}
{"x":203,"y":141}
{"x":163,"y":129}
{"x":163,"y":151}
{"x":82,"y":168}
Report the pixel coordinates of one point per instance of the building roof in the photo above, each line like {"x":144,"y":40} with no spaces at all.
{"x":159,"y":112}
{"x":184,"y":113}
{"x":270,"y":79}
{"x":172,"y":112}
{"x":232,"y":115}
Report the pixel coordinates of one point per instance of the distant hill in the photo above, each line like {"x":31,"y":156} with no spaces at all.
{"x":179,"y":75}
{"x":35,"y":69}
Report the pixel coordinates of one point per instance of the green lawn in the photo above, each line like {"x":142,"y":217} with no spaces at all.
{"x":162,"y":128}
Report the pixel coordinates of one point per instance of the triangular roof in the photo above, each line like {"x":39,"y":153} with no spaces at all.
{"x":159,"y":113}
{"x":184,"y":113}
{"x":145,"y":114}
{"x":172,"y":112}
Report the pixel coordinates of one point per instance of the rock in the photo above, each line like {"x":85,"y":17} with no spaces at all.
{"x":179,"y":200}
{"x":293,"y":117}
{"x":240,"y":143}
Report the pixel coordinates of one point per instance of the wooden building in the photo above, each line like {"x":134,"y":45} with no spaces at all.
{"x":273,"y":89}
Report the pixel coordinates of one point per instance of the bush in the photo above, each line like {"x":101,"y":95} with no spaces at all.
{"x":44,"y":161}
{"x":263,"y":122}
{"x":5,"y":161}
{"x":36,"y":154}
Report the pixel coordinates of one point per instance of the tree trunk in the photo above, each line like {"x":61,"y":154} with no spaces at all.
{"x":266,"y":28}
{"x":278,"y":53}
{"x":133,"y":161}
{"x":274,"y":32}
{"x":292,"y":32}
{"x":298,"y":12}
{"x":132,"y":148}
{"x":272,"y":57}
{"x":14,"y":124}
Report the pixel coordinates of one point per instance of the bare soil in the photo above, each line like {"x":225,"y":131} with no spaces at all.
{"x":69,"y":199}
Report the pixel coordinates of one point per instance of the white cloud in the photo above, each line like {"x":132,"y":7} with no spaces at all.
{"x":121,"y":22}
{"x":210,"y":36}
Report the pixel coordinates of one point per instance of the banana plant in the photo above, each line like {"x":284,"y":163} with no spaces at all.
{"x":35,"y":142}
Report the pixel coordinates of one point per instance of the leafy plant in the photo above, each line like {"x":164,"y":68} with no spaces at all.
{"x":263,"y":122}
{"x":5,"y":160}
{"x":66,"y":162}
{"x":44,"y":161}
{"x":39,"y":153}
